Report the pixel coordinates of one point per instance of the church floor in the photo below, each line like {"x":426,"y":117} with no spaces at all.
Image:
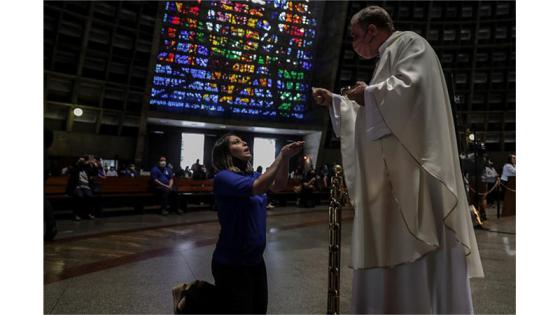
{"x":128,"y":264}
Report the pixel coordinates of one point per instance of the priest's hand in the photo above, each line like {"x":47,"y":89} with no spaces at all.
{"x":322,"y":97}
{"x":357,"y":92}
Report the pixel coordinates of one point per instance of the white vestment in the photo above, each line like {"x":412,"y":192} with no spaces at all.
{"x":405,"y":183}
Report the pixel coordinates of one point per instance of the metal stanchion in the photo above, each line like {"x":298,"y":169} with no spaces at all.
{"x":338,"y":198}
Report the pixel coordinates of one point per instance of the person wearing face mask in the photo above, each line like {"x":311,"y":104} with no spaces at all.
{"x":412,"y":227}
{"x":162,"y":179}
{"x":238,"y":265}
{"x":131,"y":171}
{"x":112,"y":172}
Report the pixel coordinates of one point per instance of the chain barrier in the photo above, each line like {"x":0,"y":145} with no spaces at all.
{"x":488,"y":192}
{"x":498,"y":183}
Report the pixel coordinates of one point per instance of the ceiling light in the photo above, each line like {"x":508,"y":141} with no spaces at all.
{"x":78,"y":112}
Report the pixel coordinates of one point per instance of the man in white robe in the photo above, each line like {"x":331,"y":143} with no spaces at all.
{"x":413,"y":244}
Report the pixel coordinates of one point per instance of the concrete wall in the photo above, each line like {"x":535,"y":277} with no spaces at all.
{"x":72,"y":144}
{"x":330,"y":36}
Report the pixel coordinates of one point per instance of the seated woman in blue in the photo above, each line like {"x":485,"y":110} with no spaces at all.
{"x":237,"y":264}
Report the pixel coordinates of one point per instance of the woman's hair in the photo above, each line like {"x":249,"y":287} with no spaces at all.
{"x":510,"y":158}
{"x":223,"y":160}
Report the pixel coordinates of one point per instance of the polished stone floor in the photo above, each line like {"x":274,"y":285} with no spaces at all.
{"x":128,"y":264}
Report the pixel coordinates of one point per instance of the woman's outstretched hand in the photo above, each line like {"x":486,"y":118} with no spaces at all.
{"x":275,"y":177}
{"x":291,"y":149}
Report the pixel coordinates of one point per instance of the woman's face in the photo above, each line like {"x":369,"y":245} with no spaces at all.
{"x":239,"y":149}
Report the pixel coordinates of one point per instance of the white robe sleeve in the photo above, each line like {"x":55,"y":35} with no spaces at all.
{"x":376,"y":127}
{"x":334,"y":112}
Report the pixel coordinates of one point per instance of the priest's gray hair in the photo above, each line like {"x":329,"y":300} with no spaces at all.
{"x":374,"y":15}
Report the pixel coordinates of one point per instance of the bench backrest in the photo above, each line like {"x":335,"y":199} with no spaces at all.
{"x":119,"y":185}
{"x":56,"y":185}
{"x":134,"y":185}
{"x":190,"y":185}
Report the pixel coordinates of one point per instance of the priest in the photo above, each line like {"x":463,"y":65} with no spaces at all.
{"x":413,"y":244}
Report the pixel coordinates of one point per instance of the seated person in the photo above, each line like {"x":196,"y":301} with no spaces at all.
{"x":309,"y":186}
{"x":112,"y":172}
{"x":509,"y":168}
{"x":130,"y":171}
{"x":490,"y":178}
{"x":188,"y":172}
{"x":162,"y":180}
{"x":80,"y":187}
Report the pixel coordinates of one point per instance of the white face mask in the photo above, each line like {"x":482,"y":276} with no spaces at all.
{"x":162,"y":163}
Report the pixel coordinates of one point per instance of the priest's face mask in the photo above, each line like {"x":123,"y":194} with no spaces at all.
{"x":363,"y":40}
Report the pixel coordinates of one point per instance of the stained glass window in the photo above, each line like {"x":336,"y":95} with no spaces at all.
{"x":235,"y":58}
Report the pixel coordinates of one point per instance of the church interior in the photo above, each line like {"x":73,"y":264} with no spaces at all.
{"x":129,"y":83}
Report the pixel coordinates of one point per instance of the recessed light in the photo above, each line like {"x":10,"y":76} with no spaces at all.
{"x":78,"y":112}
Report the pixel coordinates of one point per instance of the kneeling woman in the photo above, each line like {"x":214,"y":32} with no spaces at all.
{"x":237,"y":264}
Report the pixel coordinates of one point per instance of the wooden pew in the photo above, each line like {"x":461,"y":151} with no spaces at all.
{"x":195,"y":191}
{"x":136,"y":191}
{"x":55,"y":187}
{"x":186,"y":185}
{"x":131,"y":191}
{"x":509,"y":197}
{"x":130,"y":185}
{"x":287,"y":194}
